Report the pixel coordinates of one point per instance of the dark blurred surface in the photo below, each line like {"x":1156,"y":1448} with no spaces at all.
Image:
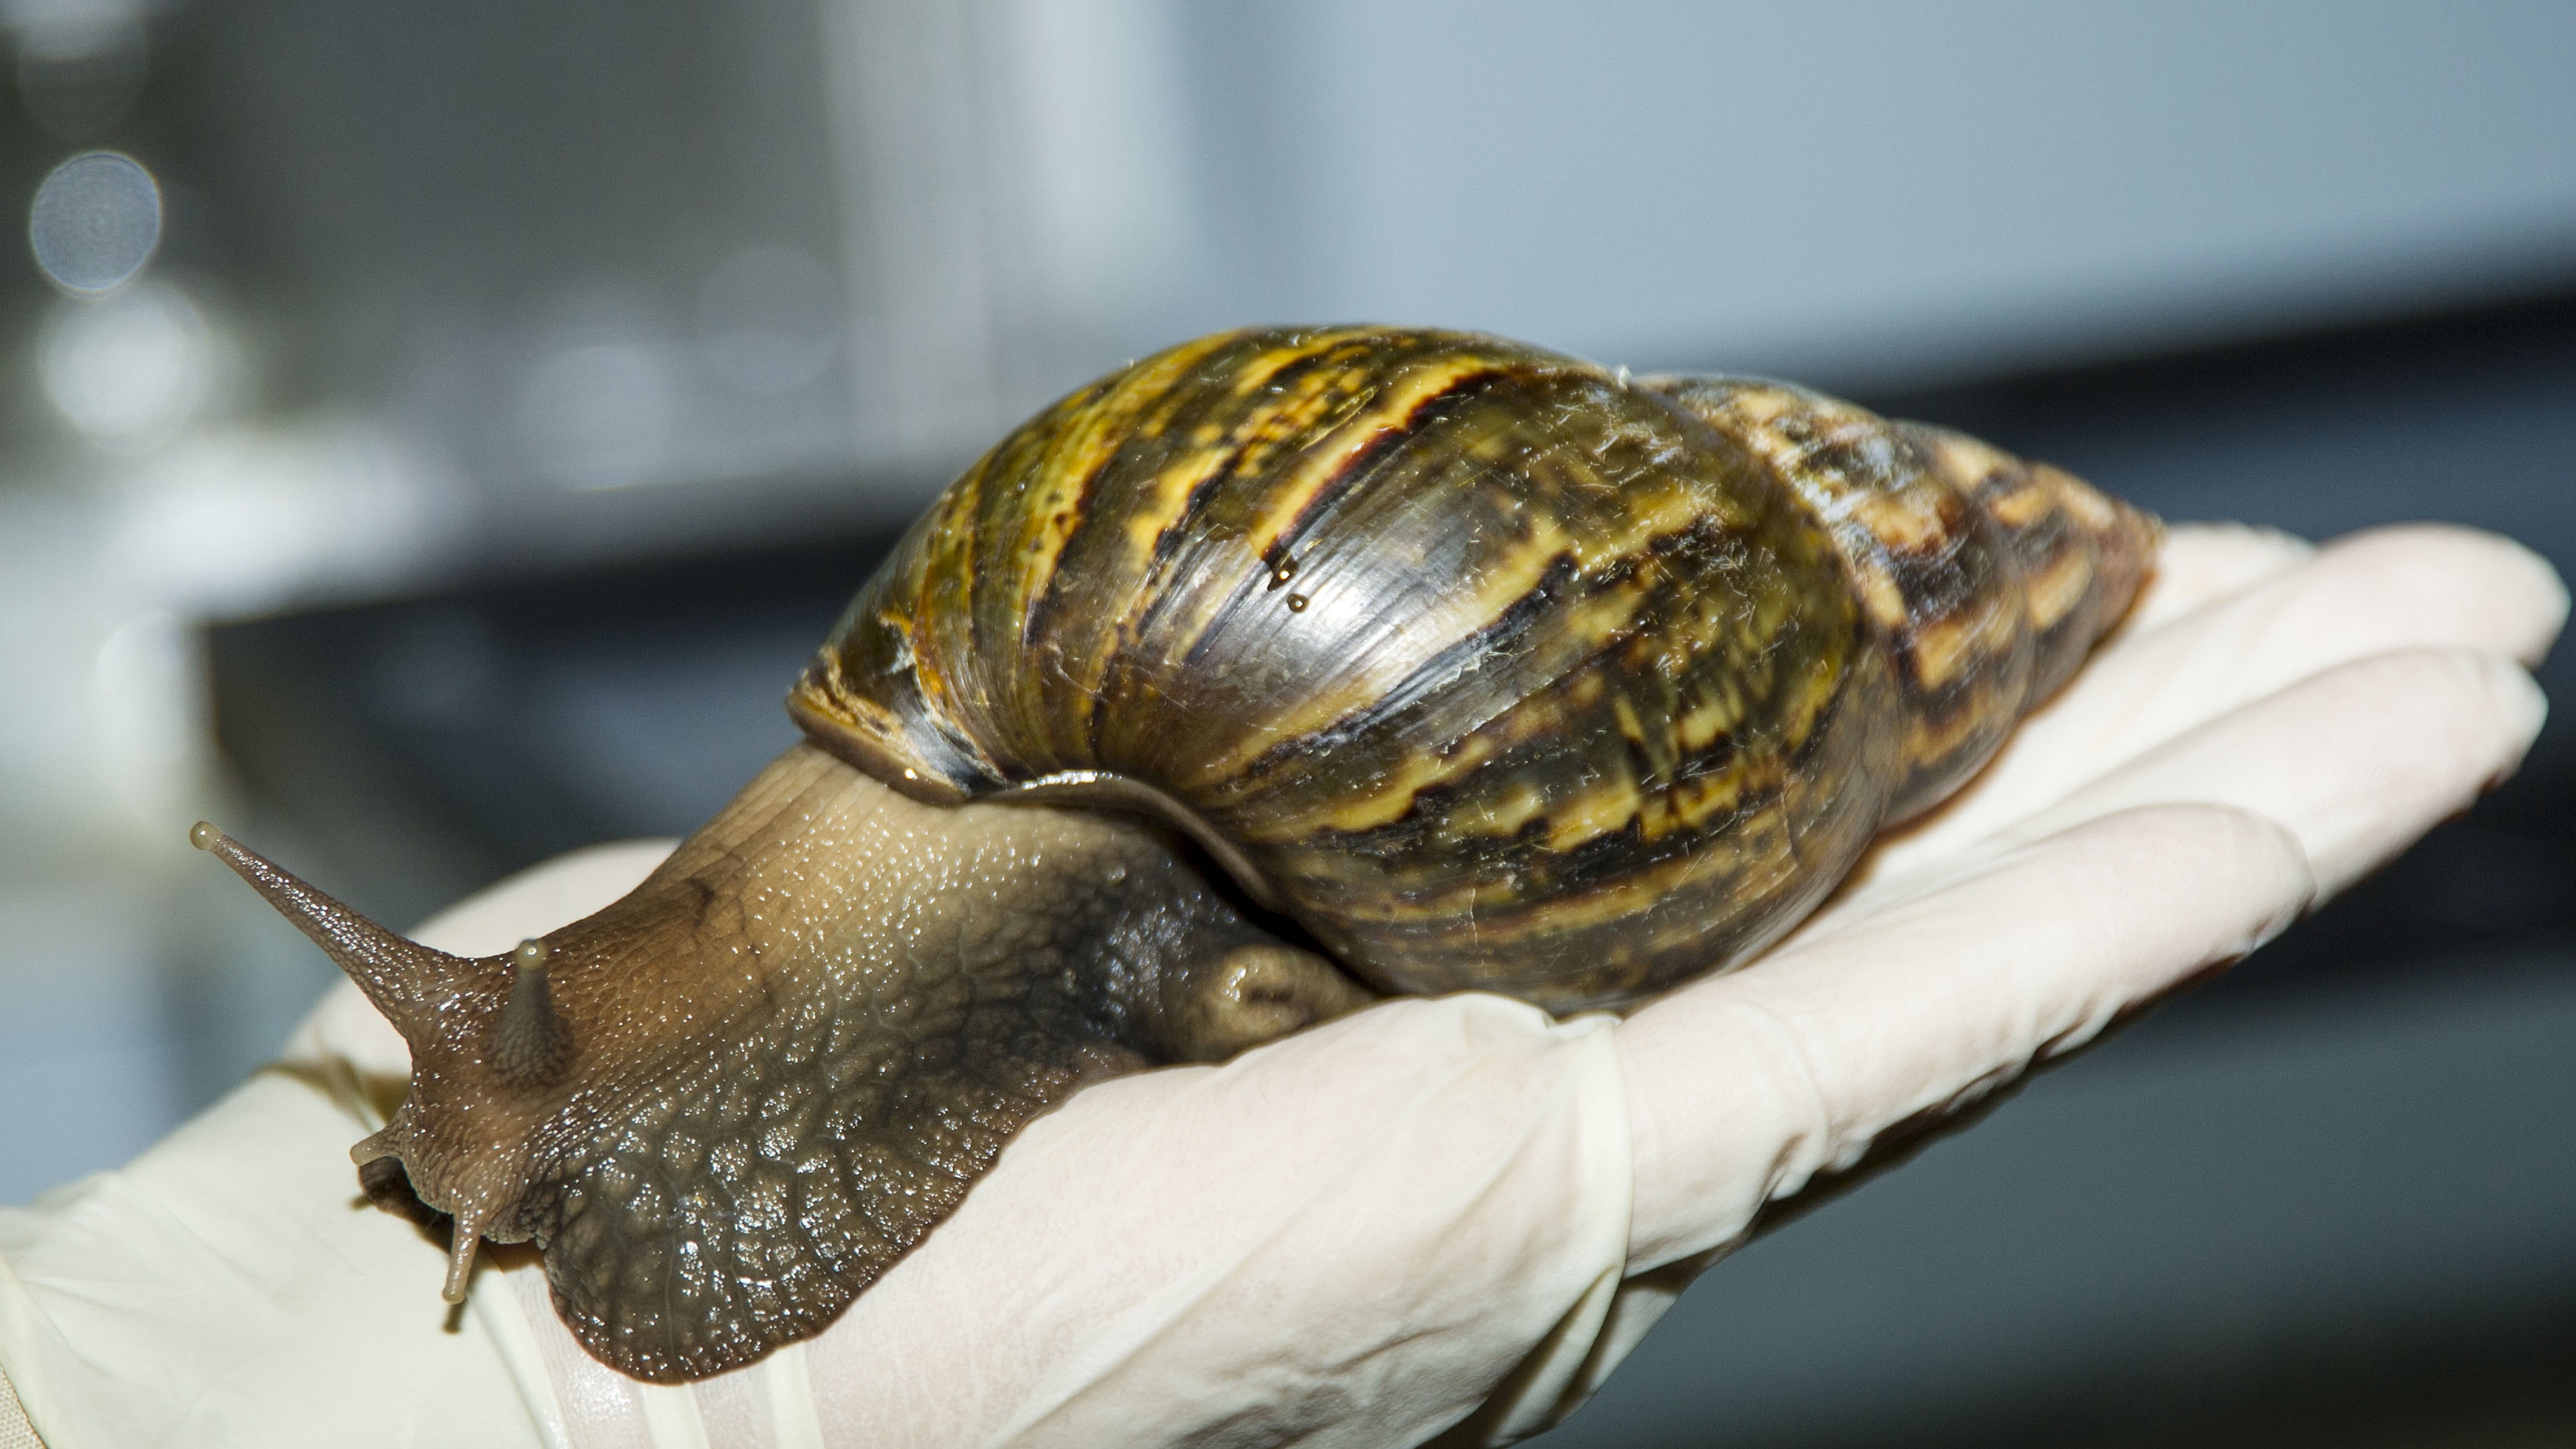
{"x":2335,"y":1217}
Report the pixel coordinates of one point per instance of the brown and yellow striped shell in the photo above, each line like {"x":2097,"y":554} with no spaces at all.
{"x":1491,"y":668}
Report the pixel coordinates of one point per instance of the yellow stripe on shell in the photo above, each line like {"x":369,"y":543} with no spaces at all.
{"x":1943,"y":648}
{"x":1657,"y":507}
{"x":2057,"y":589}
{"x":1281,"y":507}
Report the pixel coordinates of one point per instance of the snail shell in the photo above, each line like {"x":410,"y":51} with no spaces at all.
{"x":1491,"y":668}
{"x":1482,"y":665}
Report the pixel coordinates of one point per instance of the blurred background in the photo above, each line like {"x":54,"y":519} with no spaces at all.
{"x":430,"y":440}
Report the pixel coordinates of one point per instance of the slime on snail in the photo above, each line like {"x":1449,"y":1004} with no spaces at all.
{"x":1589,"y":684}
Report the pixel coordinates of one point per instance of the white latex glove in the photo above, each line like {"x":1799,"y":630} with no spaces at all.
{"x":1436,"y":1215}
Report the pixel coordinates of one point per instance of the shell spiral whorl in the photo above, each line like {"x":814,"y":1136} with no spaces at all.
{"x":1494,"y":669}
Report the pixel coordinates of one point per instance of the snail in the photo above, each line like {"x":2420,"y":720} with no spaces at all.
{"x":1272,"y":672}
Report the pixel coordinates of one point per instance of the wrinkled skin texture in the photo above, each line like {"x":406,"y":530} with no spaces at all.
{"x":772,"y":1096}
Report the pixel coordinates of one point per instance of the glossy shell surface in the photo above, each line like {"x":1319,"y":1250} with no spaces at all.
{"x":1492,"y":668}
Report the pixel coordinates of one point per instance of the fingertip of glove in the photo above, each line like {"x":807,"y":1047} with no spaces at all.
{"x":2208,"y":851}
{"x":2486,"y":701}
{"x":2240,"y":834}
{"x":2513,"y":596}
{"x":2248,"y":857}
{"x":2517,"y":703}
{"x":2405,"y":740}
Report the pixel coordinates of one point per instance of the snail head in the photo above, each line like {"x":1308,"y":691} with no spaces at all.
{"x":728,"y":1101}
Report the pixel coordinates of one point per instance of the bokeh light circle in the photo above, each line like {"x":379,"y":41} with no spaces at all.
{"x":94,"y":222}
{"x":129,"y":370}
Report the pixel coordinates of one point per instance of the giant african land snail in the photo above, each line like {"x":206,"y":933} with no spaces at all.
{"x":1438,"y":660}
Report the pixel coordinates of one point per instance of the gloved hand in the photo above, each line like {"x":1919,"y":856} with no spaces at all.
{"x":1435,"y":1216}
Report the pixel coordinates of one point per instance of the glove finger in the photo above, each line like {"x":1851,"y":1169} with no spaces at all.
{"x":2420,"y":586}
{"x":2427,"y":729}
{"x":1741,"y":1088}
{"x":2202,"y":563}
{"x":2357,"y":762}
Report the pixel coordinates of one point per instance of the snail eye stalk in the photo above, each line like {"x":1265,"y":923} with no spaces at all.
{"x":406,"y":980}
{"x":531,"y":1045}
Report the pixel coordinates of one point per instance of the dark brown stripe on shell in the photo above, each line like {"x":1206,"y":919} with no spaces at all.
{"x":1501,"y":671}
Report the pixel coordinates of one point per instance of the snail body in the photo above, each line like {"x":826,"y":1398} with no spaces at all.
{"x":1275,"y":660}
